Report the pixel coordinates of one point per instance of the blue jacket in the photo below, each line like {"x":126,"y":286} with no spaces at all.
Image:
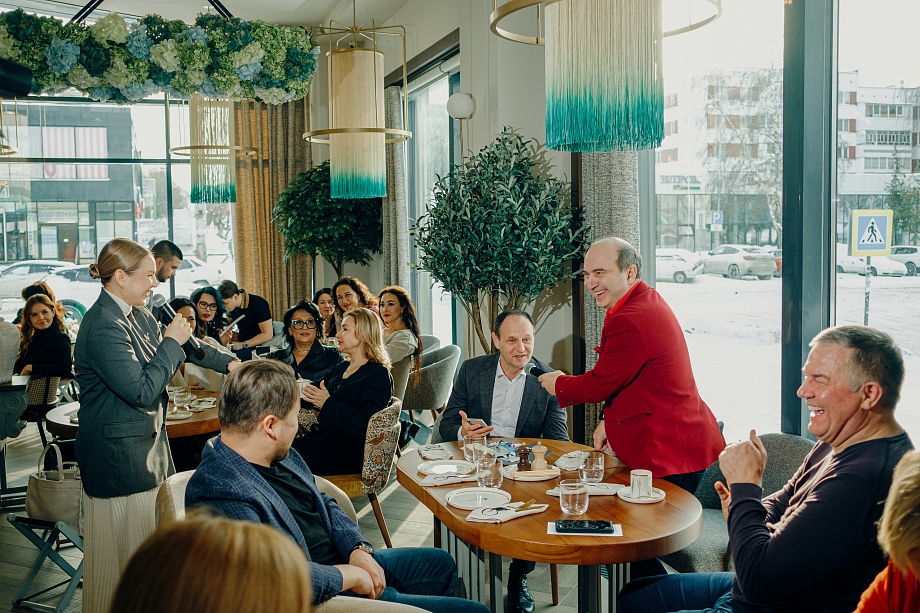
{"x":227,"y":484}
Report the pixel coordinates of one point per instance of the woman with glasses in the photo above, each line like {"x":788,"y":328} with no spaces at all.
{"x":212,"y":315}
{"x":305,"y":351}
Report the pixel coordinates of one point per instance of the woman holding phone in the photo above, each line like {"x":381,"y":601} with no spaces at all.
{"x":123,"y":365}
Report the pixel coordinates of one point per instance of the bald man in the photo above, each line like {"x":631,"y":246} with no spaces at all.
{"x":653,"y":417}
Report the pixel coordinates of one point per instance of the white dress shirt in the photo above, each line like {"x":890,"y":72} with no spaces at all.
{"x":507,"y":395}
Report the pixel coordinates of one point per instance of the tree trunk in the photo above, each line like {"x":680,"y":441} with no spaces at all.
{"x":337,"y":266}
{"x":477,"y":324}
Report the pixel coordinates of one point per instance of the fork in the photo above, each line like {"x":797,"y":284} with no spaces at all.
{"x":526,"y":505}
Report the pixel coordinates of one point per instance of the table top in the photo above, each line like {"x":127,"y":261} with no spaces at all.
{"x":204,"y":422}
{"x":18,"y":383}
{"x":649,"y":530}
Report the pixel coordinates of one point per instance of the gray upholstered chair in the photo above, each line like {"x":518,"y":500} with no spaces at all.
{"x":710,"y":552}
{"x":430,"y":343}
{"x":433,"y":387}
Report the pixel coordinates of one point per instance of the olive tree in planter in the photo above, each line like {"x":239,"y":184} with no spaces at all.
{"x":314,"y":223}
{"x":499,"y":230}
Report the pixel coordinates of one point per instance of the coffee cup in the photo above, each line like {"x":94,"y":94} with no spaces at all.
{"x":640,"y":483}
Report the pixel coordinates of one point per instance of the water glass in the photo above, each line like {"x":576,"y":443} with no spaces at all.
{"x":573,"y":496}
{"x":489,"y":472}
{"x":472,"y":442}
{"x":183,"y":399}
{"x":592,"y":470}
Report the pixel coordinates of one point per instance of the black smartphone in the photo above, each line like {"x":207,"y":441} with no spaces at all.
{"x":596,"y":526}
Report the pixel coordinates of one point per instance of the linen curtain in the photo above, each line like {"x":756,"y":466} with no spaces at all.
{"x":276,"y":130}
{"x":610,"y":206}
{"x":395,"y":246}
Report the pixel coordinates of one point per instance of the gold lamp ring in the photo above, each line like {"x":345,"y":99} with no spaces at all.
{"x":398,"y":136}
{"x":240,"y":150}
{"x":8,"y":150}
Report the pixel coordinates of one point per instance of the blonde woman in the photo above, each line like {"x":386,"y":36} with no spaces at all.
{"x":215,"y":565}
{"x":347,"y":398}
{"x":897,"y":588}
{"x":123,"y":364}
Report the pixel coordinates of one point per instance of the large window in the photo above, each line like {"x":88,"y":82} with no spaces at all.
{"x":85,"y":173}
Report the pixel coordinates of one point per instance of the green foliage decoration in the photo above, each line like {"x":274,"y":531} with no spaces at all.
{"x":314,"y":223}
{"x":500,"y":229}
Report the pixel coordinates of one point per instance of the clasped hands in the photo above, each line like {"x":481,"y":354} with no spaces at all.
{"x":741,"y":462}
{"x":317,"y":396}
{"x":362,"y":575}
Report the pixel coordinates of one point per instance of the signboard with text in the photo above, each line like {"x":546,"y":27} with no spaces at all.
{"x":870,"y":232}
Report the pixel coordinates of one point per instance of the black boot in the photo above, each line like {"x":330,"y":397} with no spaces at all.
{"x":519,"y":598}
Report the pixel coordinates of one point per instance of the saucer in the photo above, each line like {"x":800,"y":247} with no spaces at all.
{"x":472,"y":498}
{"x":626,"y":494}
{"x":178,"y":415}
{"x":571,"y":461}
{"x":204,"y":403}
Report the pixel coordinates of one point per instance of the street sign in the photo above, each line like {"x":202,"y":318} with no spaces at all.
{"x":715,"y":221}
{"x":870,"y":232}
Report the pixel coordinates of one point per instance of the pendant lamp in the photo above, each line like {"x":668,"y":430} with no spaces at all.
{"x":9,"y":138}
{"x":604,"y":87}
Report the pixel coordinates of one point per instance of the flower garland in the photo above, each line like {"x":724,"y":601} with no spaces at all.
{"x":113,"y":61}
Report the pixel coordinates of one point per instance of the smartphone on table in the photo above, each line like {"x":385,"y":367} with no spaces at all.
{"x":595,"y":526}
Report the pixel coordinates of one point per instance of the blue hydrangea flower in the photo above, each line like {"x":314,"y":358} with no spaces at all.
{"x":101,"y":93}
{"x":139,"y":43}
{"x":138,"y":91}
{"x":208,"y":89}
{"x":193,"y":35}
{"x":62,"y":55}
{"x":239,"y":39}
{"x":248,"y":71}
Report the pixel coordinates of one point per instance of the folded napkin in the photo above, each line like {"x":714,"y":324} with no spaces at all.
{"x":449,"y":479}
{"x":594,"y":489}
{"x":571,"y":461}
{"x":434,"y":452}
{"x":506,"y":512}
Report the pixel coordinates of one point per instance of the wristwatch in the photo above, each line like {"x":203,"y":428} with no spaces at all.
{"x":365,"y":547}
{"x":246,"y":345}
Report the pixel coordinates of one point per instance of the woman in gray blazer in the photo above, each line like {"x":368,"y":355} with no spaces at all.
{"x":123,"y":363}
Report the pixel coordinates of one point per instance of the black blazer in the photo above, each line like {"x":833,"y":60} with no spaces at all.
{"x":315,"y":365}
{"x":354,"y":400}
{"x":49,"y":354}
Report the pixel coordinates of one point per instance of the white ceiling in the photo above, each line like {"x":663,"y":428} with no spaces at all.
{"x":289,"y":12}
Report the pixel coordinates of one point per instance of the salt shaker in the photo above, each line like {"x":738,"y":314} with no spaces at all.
{"x":539,"y":462}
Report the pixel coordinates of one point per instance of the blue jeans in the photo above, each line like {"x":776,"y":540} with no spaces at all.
{"x":423,"y":577}
{"x":686,"y":593}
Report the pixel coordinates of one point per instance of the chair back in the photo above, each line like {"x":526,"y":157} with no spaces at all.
{"x":171,"y":498}
{"x":380,"y":447}
{"x":331,"y":489}
{"x":430,"y":343}
{"x":437,"y":376}
{"x":436,"y":431}
{"x":43,"y":391}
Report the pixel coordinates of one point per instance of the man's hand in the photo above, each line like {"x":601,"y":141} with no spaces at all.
{"x":600,"y":437}
{"x":468,"y":429}
{"x":725,"y":497}
{"x":231,"y":366}
{"x":548,"y":381}
{"x":744,"y":461}
{"x":366,"y":562}
{"x":357,"y":580}
{"x":317,"y":396}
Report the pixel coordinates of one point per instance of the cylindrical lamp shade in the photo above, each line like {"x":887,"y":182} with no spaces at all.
{"x":213,"y":160}
{"x":357,"y":161}
{"x":604,"y":89}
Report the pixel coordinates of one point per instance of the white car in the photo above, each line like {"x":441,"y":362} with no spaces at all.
{"x":879,"y":265}
{"x":77,"y":290}
{"x":17,"y":276}
{"x":193,"y":270}
{"x":735,"y":261}
{"x":908,"y":255}
{"x":679,"y":265}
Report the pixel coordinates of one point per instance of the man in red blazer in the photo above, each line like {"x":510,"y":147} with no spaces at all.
{"x":654,"y":417}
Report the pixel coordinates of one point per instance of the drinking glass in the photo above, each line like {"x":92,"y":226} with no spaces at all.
{"x":183,"y":399}
{"x":471,"y":442}
{"x":573,"y":496}
{"x":489,"y":472}
{"x":592,"y":470}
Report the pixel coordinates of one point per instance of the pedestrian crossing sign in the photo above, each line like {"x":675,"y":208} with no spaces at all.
{"x":870,"y":232}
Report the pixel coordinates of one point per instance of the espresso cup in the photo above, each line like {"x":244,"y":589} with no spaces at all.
{"x":640,"y":483}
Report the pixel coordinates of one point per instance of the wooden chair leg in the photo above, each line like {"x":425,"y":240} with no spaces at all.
{"x":554,"y":581}
{"x":380,"y":521}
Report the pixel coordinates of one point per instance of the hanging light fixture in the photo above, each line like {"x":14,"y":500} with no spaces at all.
{"x":604,"y":87}
{"x":357,"y":129}
{"x":211,"y":150}
{"x":9,"y":142}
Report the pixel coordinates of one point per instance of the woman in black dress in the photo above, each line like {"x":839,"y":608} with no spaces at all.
{"x":44,"y":349}
{"x":347,"y":398}
{"x":211,"y":314}
{"x":305,"y":352}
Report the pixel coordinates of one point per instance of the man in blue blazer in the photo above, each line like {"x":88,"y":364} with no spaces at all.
{"x":251,"y":473}
{"x":497,"y":389}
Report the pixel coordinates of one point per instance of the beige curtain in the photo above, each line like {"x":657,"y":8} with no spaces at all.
{"x":277,"y":132}
{"x":395,"y":245}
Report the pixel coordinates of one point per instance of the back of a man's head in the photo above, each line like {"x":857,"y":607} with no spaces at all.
{"x":875,"y":357}
{"x":166,"y":250}
{"x":255,"y":389}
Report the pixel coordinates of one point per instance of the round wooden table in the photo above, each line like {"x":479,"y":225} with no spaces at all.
{"x":205,"y":422}
{"x":649,"y":530}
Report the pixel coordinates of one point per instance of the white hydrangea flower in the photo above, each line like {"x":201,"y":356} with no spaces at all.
{"x":79,"y":78}
{"x":117,"y":74}
{"x":250,"y":53}
{"x":274,"y":95}
{"x":166,"y":55}
{"x":112,"y":27}
{"x":195,"y":77}
{"x":9,"y":46}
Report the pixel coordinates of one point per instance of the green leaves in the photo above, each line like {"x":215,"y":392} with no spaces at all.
{"x":314,"y":223}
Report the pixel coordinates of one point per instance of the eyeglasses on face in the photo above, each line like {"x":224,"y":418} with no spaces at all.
{"x":209,"y":306}
{"x":299,"y":324}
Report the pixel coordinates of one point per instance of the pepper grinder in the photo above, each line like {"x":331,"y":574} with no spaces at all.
{"x":523,"y":458}
{"x":539,"y":462}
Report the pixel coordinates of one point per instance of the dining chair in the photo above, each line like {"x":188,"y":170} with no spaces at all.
{"x":42,"y":393}
{"x":430,"y":343}
{"x":435,"y":381}
{"x":380,"y":446}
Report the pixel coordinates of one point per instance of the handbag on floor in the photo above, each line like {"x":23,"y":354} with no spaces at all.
{"x":56,"y":495}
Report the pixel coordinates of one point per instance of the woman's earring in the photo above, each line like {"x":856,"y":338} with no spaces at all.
{"x":122,"y":286}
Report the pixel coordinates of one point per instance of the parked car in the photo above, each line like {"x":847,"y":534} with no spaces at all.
{"x":907,"y":255}
{"x":77,"y":290}
{"x":736,"y":261}
{"x":879,"y":265}
{"x":193,"y":270}
{"x":677,"y":264}
{"x":16,"y":276}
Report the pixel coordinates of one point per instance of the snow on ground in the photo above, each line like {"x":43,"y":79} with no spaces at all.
{"x":733,"y":332}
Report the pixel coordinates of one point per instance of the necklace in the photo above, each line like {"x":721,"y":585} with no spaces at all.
{"x":300,"y":350}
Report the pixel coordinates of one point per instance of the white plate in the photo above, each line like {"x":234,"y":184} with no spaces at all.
{"x":569,"y":461}
{"x":443,"y":467}
{"x":507,"y":470}
{"x":472,"y":498}
{"x":204,"y":403}
{"x":178,"y":415}
{"x":626,"y":494}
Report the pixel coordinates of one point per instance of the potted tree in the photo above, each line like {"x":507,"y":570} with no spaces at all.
{"x":314,"y":223}
{"x":500,"y":230}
